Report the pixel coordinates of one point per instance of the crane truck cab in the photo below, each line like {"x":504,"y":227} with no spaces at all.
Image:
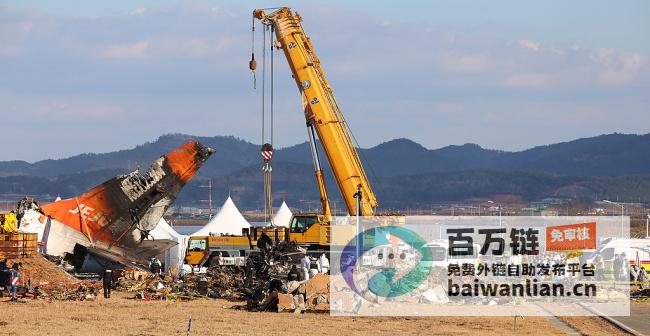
{"x":229,"y":250}
{"x":315,"y":233}
{"x":208,"y":251}
{"x":310,"y":230}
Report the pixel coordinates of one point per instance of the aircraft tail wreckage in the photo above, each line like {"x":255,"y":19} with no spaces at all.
{"x":113,"y":219}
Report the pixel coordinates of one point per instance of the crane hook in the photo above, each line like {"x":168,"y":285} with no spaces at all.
{"x":253,"y":63}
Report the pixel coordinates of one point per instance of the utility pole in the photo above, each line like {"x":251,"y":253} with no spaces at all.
{"x":622,"y":210}
{"x":209,"y":200}
{"x":499,"y":205}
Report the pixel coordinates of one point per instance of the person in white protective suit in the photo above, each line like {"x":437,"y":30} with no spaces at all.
{"x":305,"y":265}
{"x":323,"y":264}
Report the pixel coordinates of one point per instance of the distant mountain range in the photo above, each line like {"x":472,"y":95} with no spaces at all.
{"x":404,"y":173}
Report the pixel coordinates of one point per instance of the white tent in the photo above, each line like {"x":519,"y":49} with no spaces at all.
{"x":175,"y":255}
{"x":283,"y":216}
{"x":228,"y":221}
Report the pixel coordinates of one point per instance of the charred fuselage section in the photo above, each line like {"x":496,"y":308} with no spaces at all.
{"x":116,"y":216}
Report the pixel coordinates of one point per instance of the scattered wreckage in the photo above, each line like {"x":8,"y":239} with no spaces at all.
{"x":262,"y":283}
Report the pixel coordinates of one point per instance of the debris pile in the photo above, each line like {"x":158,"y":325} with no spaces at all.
{"x":40,"y":270}
{"x":45,"y":280}
{"x":641,"y":293}
{"x":262,"y":284}
{"x":218,"y":282}
{"x":312,"y":294}
{"x":81,"y":291}
{"x":268,"y":289}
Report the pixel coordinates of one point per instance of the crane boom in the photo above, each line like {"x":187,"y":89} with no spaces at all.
{"x":322,"y":114}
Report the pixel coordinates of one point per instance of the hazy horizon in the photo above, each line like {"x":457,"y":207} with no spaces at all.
{"x":299,"y":143}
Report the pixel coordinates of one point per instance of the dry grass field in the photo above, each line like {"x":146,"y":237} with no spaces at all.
{"x":121,"y":315}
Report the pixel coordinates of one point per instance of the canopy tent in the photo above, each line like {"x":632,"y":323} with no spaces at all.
{"x":228,"y":221}
{"x":175,"y":255}
{"x":283,"y":216}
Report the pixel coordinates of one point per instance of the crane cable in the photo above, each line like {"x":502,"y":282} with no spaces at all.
{"x":271,"y":42}
{"x":264,"y":82}
{"x":252,"y":64}
{"x":268,"y":181}
{"x":271,"y":30}
{"x":269,"y":195}
{"x":267,"y":147}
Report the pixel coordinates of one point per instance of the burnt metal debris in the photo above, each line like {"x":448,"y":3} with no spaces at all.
{"x":262,"y":284}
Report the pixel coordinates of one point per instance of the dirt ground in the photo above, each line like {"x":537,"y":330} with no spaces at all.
{"x":587,"y":325}
{"x":123,"y":316}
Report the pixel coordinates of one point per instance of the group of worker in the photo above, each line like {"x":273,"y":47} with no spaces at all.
{"x":307,"y":270}
{"x":265,"y":244}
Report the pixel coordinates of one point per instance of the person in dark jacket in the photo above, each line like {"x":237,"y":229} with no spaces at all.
{"x":294,"y":274}
{"x":107,"y":279}
{"x":155,"y":266}
{"x":249,"y":272}
{"x":618,"y":265}
{"x":15,"y":278}
{"x":265,"y":243}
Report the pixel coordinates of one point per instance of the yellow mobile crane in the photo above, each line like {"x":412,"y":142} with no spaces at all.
{"x":323,"y":117}
{"x":325,"y":120}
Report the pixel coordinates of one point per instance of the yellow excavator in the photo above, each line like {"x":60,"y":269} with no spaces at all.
{"x":326,"y":123}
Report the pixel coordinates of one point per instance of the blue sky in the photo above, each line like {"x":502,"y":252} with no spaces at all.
{"x":503,"y":74}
